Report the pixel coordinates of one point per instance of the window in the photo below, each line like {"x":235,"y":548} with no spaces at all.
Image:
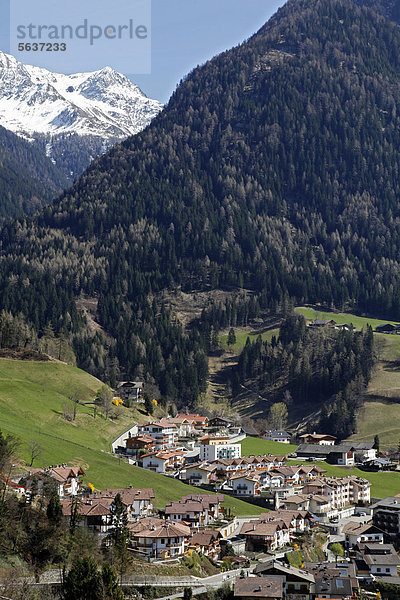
{"x":378,"y":569}
{"x":387,"y":570}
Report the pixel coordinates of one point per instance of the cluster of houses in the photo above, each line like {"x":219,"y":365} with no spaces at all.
{"x":316,"y":446}
{"x":371,"y":557}
{"x":195,"y":438}
{"x":199,"y":522}
{"x":214,"y":461}
{"x":274,"y":580}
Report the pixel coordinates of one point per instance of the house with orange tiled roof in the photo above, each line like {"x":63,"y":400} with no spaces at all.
{"x":67,"y":478}
{"x":198,"y":510}
{"x":206,"y":541}
{"x":138,"y":501}
{"x":164,"y":433}
{"x":159,"y":539}
{"x":264,"y":535}
{"x":198,"y":420}
{"x":166,"y":460}
{"x":139,"y":442}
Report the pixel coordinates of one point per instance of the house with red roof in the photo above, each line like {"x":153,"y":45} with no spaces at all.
{"x":196,"y":510}
{"x":206,"y":541}
{"x":67,"y":478}
{"x":166,"y":460}
{"x":265,"y":535}
{"x":159,"y":539}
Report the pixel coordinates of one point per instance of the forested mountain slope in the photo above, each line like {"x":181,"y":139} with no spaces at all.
{"x":275,"y":167}
{"x":388,"y":8}
{"x":28,"y":179}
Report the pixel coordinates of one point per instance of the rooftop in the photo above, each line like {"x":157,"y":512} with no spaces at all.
{"x":259,"y":587}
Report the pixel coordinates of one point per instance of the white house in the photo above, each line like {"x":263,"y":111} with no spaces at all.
{"x":381,"y":559}
{"x":212,"y":452}
{"x":271,"y":479}
{"x":245,"y":485}
{"x":200,"y":473}
{"x":164,"y":433}
{"x":361,"y":533}
{"x":130,"y":391}
{"x":67,"y":479}
{"x":320,"y":439}
{"x":138,"y":501}
{"x":277,"y":436}
{"x":161,"y":462}
{"x":160,"y":539}
{"x":342,"y":491}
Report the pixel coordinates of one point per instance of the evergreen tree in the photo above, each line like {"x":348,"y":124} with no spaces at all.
{"x":83,"y":581}
{"x":54,"y":510}
{"x":111,"y":589}
{"x":231,"y":337}
{"x":148,"y":405}
{"x":120,"y":534}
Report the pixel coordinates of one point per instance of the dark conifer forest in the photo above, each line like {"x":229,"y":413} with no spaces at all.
{"x":320,"y":367}
{"x":28,"y":179}
{"x":274,"y":168}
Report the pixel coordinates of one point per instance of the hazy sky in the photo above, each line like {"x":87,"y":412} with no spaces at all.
{"x":185,"y":33}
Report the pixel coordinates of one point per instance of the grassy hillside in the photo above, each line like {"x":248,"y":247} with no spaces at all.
{"x":253,"y":446}
{"x":381,"y":412}
{"x":32,"y":395}
{"x":359,"y":322}
{"x":242,"y":333}
{"x":382,"y":418}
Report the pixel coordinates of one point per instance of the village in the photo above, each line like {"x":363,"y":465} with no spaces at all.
{"x":355,"y":537}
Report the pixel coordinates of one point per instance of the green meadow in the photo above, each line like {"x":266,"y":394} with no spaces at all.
{"x":252,"y":446}
{"x":32,"y":395}
{"x":242,"y":335}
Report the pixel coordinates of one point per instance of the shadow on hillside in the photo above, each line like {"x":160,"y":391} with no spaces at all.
{"x":392,"y":366}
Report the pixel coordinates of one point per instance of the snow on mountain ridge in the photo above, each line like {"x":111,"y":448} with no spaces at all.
{"x":102,"y":103}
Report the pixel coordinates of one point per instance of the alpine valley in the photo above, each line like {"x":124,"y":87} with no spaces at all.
{"x":270,"y":178}
{"x":68,"y":119}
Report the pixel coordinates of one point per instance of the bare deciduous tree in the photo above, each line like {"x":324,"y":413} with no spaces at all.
{"x":105,"y":400}
{"x":35,"y":451}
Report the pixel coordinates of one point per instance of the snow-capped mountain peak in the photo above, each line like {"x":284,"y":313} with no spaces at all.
{"x":103,"y":103}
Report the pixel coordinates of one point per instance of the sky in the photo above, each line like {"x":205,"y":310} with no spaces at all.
{"x":184,"y":34}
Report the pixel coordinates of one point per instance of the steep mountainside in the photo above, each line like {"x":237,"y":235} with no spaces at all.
{"x":28,"y":179}
{"x":73,"y":118}
{"x":275,"y":167}
{"x":388,"y":8}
